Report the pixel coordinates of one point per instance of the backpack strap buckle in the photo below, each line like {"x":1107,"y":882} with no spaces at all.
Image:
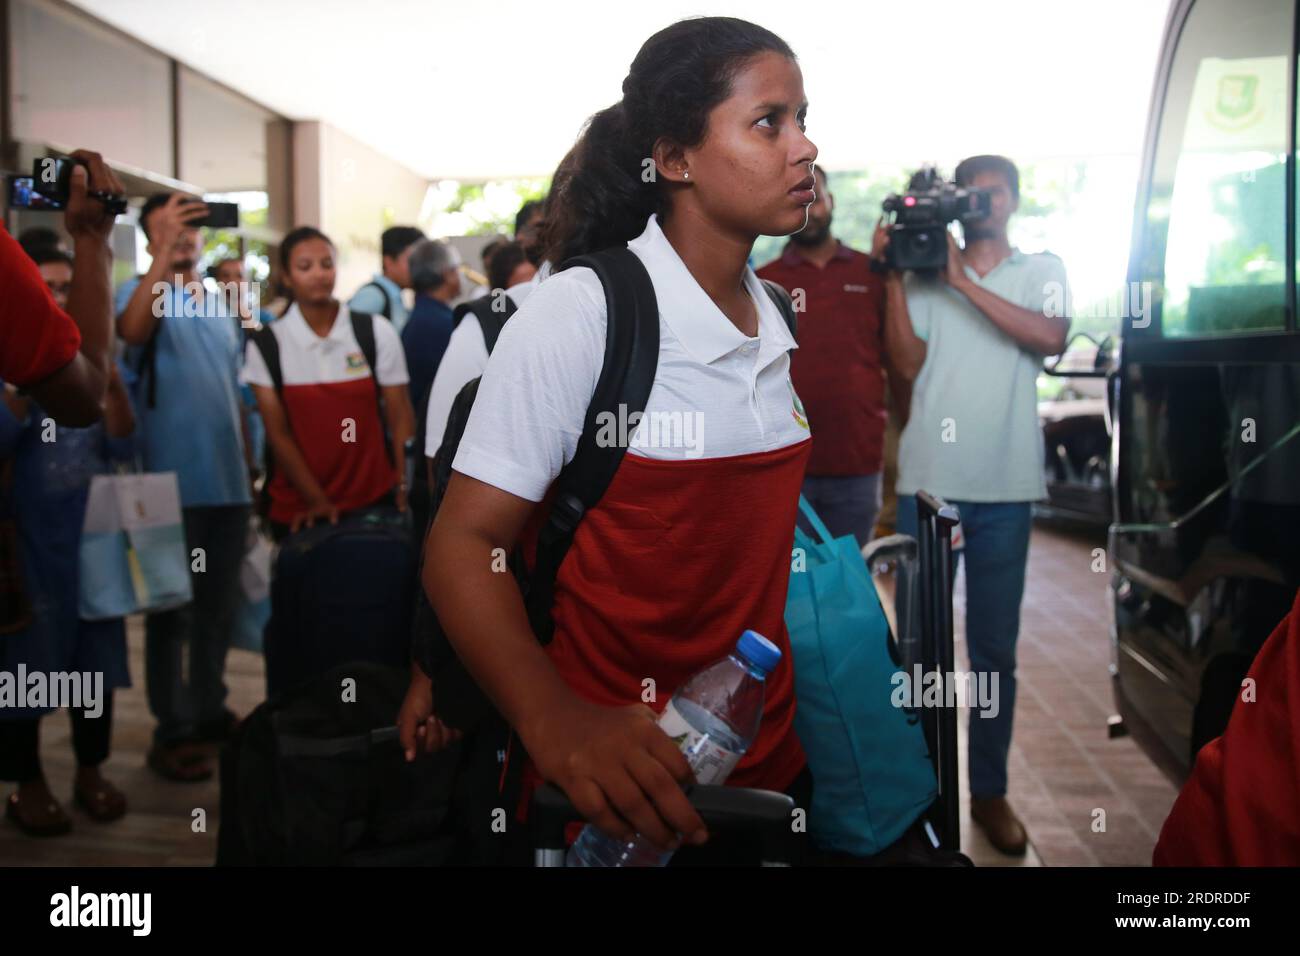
{"x":566,"y":513}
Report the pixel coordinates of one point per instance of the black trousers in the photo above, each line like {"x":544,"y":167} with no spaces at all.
{"x":20,"y":757}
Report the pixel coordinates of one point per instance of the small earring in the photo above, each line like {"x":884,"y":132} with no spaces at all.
{"x":686,"y":175}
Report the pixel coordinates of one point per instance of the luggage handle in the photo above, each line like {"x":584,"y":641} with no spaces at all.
{"x":296,"y":745}
{"x":935,"y":521}
{"x":722,"y":808}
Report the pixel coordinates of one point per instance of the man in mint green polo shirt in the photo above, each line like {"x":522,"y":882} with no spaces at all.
{"x":972,"y":341}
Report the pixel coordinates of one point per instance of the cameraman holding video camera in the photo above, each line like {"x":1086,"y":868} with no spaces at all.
{"x":971,"y":336}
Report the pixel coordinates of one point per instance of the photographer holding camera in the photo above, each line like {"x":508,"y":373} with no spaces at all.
{"x":971,"y":337}
{"x":62,"y":359}
{"x":187,"y":345}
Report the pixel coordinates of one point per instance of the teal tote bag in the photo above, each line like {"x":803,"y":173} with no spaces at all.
{"x":872,"y":775}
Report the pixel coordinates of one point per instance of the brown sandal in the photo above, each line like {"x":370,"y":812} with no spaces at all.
{"x":58,"y":825}
{"x":104,"y":804}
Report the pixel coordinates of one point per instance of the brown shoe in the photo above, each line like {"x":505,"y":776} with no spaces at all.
{"x":1000,"y":824}
{"x":183,"y":763}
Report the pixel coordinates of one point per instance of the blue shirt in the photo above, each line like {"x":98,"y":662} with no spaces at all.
{"x":369,"y":299}
{"x":424,"y":339}
{"x":194,"y":430}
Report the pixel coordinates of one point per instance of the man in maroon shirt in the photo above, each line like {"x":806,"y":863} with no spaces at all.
{"x":838,"y":368}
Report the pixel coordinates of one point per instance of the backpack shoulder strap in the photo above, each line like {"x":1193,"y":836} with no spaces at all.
{"x":630,"y":362}
{"x":387,"y":310}
{"x":363,"y":327}
{"x":267,"y":344}
{"x":783,"y":304}
{"x":147,"y":367}
{"x":269,"y":347}
{"x":490,"y":319}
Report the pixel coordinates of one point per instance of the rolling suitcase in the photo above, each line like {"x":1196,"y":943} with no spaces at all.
{"x":341,"y":593}
{"x":936,"y":519}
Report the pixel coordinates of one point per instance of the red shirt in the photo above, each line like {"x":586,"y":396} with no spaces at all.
{"x":625,"y":612}
{"x":37,"y":338}
{"x":836,"y":369}
{"x":1241,"y":805}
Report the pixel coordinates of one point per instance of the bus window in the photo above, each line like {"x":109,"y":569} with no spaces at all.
{"x":1215,"y":245}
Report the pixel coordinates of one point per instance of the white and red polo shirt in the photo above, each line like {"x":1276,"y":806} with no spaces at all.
{"x":330,"y":399}
{"x":691,"y":543}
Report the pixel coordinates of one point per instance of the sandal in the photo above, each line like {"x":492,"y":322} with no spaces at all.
{"x":58,"y":824}
{"x":183,"y":763}
{"x":103,"y":804}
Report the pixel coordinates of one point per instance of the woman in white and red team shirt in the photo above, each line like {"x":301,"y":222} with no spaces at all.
{"x":324,"y":428}
{"x":691,"y":543}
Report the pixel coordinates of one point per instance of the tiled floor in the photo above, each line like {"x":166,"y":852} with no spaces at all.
{"x":1063,"y":768}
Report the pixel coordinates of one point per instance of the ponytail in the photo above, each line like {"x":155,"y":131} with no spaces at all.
{"x":601,"y":199}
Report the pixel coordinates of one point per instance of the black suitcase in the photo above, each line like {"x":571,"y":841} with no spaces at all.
{"x":341,"y":593}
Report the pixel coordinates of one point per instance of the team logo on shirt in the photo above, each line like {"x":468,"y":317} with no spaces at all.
{"x":797,"y":407}
{"x":356,"y":362}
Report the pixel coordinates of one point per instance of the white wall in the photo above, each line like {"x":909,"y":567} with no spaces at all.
{"x":351,"y":193}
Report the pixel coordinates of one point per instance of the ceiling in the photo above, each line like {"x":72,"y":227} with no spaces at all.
{"x":477,"y":91}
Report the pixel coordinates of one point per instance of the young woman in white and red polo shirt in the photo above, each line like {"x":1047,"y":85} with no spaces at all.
{"x":691,"y":543}
{"x":324,"y":426}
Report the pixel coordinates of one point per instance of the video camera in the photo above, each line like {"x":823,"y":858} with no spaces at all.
{"x":921,"y":217}
{"x":50,"y":186}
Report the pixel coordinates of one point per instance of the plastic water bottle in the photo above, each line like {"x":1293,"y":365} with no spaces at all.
{"x":714,"y":718}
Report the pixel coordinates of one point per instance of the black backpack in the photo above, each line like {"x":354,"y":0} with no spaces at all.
{"x":313,"y":779}
{"x":492,"y":313}
{"x":493,"y":756}
{"x":630,"y":362}
{"x":363,"y":327}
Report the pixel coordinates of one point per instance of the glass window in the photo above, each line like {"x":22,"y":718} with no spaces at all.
{"x":79,"y":84}
{"x":222,"y":137}
{"x":1216,"y":222}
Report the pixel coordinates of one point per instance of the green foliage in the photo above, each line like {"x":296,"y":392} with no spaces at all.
{"x":488,"y":211}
